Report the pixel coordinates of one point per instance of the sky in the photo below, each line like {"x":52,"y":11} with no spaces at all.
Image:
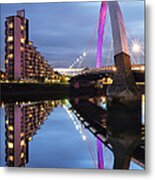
{"x":63,"y":31}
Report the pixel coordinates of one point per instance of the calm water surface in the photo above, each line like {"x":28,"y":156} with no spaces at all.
{"x":53,"y":134}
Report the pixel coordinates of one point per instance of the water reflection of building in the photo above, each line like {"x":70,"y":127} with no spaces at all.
{"x":22,"y":122}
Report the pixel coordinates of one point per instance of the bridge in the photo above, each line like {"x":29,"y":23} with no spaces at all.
{"x":124,"y":83}
{"x":120,"y":133}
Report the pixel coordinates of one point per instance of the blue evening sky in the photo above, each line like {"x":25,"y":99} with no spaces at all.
{"x":62,"y":31}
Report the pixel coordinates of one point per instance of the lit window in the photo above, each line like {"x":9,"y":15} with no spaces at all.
{"x":22,"y":27}
{"x":10,"y":136}
{"x":22,"y":143}
{"x":10,"y":25}
{"x":10,"y":145}
{"x":2,"y":105}
{"x":30,"y":138}
{"x":10,"y":128}
{"x":22,"y":155}
{"x":22,"y":40}
{"x":29,"y":124}
{"x":10,"y":55}
{"x":10,"y":38}
{"x":21,"y":48}
{"x":10,"y":47}
{"x":114,"y":68}
{"x":22,"y":134}
{"x":6,"y":61}
{"x":11,"y":158}
{"x":30,"y":115}
{"x":7,"y":122}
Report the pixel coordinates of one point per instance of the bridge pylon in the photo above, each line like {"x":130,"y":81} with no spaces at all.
{"x":123,"y":83}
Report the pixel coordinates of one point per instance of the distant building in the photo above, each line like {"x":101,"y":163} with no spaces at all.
{"x":22,"y":60}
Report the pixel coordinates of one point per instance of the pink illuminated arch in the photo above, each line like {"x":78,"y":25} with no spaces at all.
{"x":120,"y":43}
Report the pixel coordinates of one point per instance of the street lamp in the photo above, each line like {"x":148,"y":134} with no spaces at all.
{"x":84,"y":54}
{"x":136,"y":47}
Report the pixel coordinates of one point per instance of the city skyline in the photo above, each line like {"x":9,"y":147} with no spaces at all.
{"x":63,"y":39}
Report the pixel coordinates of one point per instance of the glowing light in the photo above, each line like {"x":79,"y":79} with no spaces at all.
{"x":22,"y":155}
{"x":114,"y":68}
{"x":22,"y":134}
{"x":10,"y":38}
{"x":84,"y":137}
{"x":10,"y":136}
{"x":22,"y":143}
{"x":22,"y":27}
{"x":10,"y":25}
{"x":103,"y":99}
{"x":77,"y":60}
{"x":6,"y":61}
{"x":84,"y":54}
{"x":22,"y":40}
{"x":10,"y":145}
{"x":10,"y":128}
{"x":136,"y":47}
{"x":2,"y":104}
{"x":7,"y":122}
{"x":77,"y":127}
{"x":10,"y":56}
{"x":11,"y":158}
{"x":142,"y":68}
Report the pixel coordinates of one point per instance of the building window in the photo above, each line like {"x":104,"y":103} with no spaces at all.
{"x":21,"y":48}
{"x":10,"y":158}
{"x":22,"y":27}
{"x":10,"y":25}
{"x":25,"y":21}
{"x":10,"y":56}
{"x":22,"y":143}
{"x":10,"y":128}
{"x":22,"y":155}
{"x":6,"y":61}
{"x":22,"y":40}
{"x":10,"y":47}
{"x":10,"y":38}
{"x":10,"y":136}
{"x":10,"y":145}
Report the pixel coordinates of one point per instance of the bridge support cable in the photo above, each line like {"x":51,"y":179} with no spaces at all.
{"x":88,"y":48}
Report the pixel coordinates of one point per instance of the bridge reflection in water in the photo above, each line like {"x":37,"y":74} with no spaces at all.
{"x":115,"y":138}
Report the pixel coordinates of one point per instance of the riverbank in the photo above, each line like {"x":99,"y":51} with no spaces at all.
{"x":24,"y":91}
